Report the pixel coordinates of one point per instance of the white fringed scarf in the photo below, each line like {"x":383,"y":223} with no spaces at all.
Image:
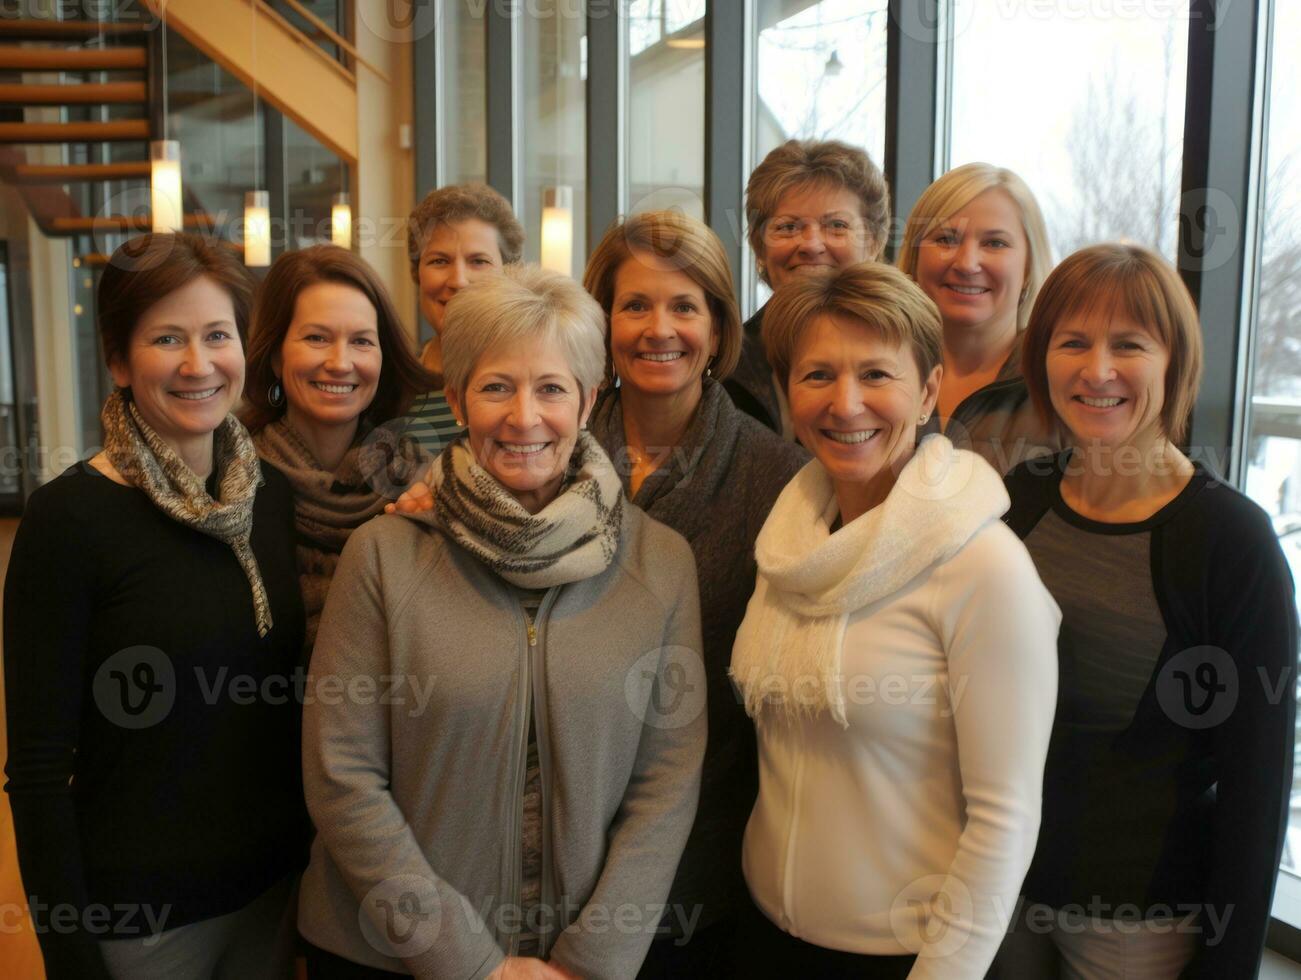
{"x":811,"y":580}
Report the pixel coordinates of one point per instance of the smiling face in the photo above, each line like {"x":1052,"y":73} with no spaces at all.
{"x":856,"y":400}
{"x":661,"y":332}
{"x":524,"y":409}
{"x":184,"y":363}
{"x":973,"y":264}
{"x":816,"y":227}
{"x":455,"y":253}
{"x":330,"y":360}
{"x":1106,"y":379}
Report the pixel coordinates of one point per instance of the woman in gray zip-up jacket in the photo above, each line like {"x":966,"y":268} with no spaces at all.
{"x":505,"y":725}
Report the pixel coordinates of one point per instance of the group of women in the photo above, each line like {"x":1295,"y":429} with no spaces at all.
{"x":890,"y":634}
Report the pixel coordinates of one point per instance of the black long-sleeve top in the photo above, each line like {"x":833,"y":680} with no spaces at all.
{"x":154,"y":738}
{"x":1186,"y":807}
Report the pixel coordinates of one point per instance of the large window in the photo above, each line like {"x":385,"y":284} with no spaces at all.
{"x":666,"y":105}
{"x":820,"y":73}
{"x":462,"y":95}
{"x":1088,"y":109}
{"x":819,"y":70}
{"x":553,"y":136}
{"x":1273,"y":449}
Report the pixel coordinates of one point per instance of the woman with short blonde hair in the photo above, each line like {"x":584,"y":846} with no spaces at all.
{"x":691,"y":459}
{"x":896,"y":659}
{"x":1168,"y":775}
{"x":550,"y":774}
{"x":811,"y":206}
{"x":977,"y":245}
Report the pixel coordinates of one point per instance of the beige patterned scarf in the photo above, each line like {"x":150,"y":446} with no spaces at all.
{"x":149,"y":464}
{"x":572,"y":538}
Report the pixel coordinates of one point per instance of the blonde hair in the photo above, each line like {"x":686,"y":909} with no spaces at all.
{"x":797,"y":163}
{"x":689,"y":246}
{"x":525,"y":303}
{"x":459,"y":202}
{"x":1136,"y":282}
{"x":958,"y":188}
{"x":879,"y":296}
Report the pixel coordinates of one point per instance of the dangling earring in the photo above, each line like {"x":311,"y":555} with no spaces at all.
{"x":276,"y":394}
{"x":709,"y":367}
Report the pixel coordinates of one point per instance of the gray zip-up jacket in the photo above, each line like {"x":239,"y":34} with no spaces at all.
{"x":425,"y":679}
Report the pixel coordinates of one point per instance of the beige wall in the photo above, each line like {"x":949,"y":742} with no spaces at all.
{"x":384,"y":179}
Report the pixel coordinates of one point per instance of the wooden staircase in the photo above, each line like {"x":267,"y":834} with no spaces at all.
{"x":74,"y":50}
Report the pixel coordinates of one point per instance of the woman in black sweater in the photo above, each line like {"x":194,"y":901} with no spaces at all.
{"x":1166,"y":786}
{"x":152,"y":623}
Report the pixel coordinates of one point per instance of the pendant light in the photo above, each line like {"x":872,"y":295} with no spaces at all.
{"x":341,"y":220}
{"x":558,"y":229}
{"x":165,"y":167}
{"x":257,"y":202}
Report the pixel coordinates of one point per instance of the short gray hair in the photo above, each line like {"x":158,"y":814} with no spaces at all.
{"x":525,"y":303}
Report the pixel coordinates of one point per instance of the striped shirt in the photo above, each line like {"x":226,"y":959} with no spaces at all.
{"x":432,"y":423}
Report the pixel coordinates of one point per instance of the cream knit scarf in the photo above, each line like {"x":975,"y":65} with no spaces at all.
{"x":810,"y":580}
{"x":149,"y":464}
{"x":572,"y":538}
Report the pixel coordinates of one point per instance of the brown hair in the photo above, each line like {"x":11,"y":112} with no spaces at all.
{"x":401,"y":377}
{"x":145,"y":269}
{"x":458,"y":202}
{"x":1133,"y":281}
{"x":878,"y":296}
{"x":689,"y":245}
{"x":831,"y":162}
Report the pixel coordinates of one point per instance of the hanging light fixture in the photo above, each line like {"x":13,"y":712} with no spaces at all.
{"x":257,"y":202}
{"x":257,"y":229}
{"x":165,"y":185}
{"x":558,"y":229}
{"x":165,"y":167}
{"x":834,"y":65}
{"x":341,"y":221}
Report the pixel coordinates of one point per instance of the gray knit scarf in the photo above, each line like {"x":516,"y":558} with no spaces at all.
{"x":572,"y":538}
{"x":329,"y":506}
{"x":153,"y":467}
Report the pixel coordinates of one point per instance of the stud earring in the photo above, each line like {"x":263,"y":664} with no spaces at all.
{"x":922,"y":420}
{"x":276,"y":394}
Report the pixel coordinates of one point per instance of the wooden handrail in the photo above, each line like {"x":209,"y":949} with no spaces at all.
{"x":337,"y":38}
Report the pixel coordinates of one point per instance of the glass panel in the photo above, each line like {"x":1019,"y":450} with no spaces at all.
{"x":211,"y":113}
{"x":463,"y":105}
{"x":553,"y":133}
{"x":666,"y":105}
{"x":1274,"y":420}
{"x":327,"y":11}
{"x":1089,"y":110}
{"x":820,"y":68}
{"x":313,"y":176}
{"x":821,"y":73}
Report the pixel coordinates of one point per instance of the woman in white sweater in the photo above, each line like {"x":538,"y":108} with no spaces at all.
{"x":898,"y":657}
